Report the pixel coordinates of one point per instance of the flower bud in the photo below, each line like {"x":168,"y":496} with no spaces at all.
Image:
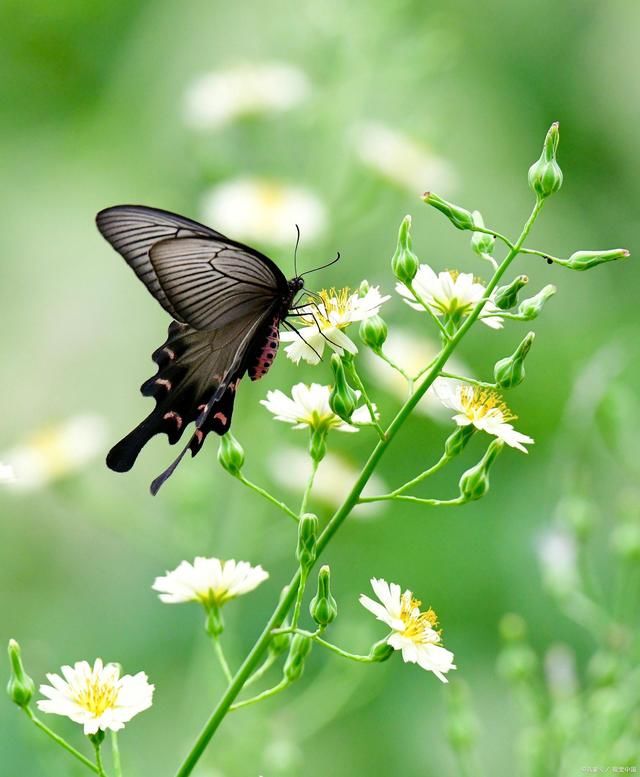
{"x":363,"y":289}
{"x":545,"y":175}
{"x":307,"y":536}
{"x":214,"y":624}
{"x":373,"y":332}
{"x":342,"y":399}
{"x":585,"y":260}
{"x":298,"y":652}
{"x":457,"y":440}
{"x":530,"y":308}
{"x":323,"y":606}
{"x":381,"y":651}
{"x":474,"y":483}
{"x":518,"y":663}
{"x":507,"y":296}
{"x":230,"y":454}
{"x":318,"y":444}
{"x":509,"y":372}
{"x":481,"y":242}
{"x":20,"y":686}
{"x":459,"y":217}
{"x":404,"y":262}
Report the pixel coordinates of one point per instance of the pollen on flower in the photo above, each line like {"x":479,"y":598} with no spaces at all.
{"x":96,"y":697}
{"x":333,"y":301}
{"x":419,"y":626}
{"x":478,"y":402}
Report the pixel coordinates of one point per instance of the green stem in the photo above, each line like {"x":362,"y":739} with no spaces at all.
{"x":115,"y":751}
{"x":307,"y":491}
{"x":341,"y":652}
{"x":533,"y":252}
{"x":217,"y":646}
{"x":261,"y":645}
{"x":459,"y":500}
{"x":431,"y":471}
{"x":427,"y":367}
{"x":464,"y":379}
{"x":261,"y":670}
{"x":99,"y":764}
{"x":353,"y":374}
{"x":268,"y":496}
{"x":439,"y":323}
{"x":60,"y":741}
{"x":261,"y":696}
{"x":304,"y":574}
{"x":493,"y":233}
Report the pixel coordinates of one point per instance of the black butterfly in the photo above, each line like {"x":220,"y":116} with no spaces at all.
{"x":228,"y":301}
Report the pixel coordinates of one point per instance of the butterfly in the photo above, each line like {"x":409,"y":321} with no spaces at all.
{"x":227,"y":302}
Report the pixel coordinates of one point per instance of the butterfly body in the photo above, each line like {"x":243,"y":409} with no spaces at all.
{"x":227,"y":302}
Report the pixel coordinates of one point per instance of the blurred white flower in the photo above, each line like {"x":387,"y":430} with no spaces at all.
{"x":323,"y":322}
{"x":401,"y":160}
{"x":218,"y":98}
{"x":560,"y":671}
{"x":264,"y":211}
{"x":97,"y":698}
{"x":7,"y":475}
{"x":413,"y":632}
{"x":290,"y":467}
{"x":558,"y":557}
{"x":449,"y":293}
{"x":56,"y":451}
{"x":209,"y":581}
{"x":308,"y":406}
{"x":482,"y":407}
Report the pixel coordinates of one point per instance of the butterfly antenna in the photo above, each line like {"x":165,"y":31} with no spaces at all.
{"x":295,"y":252}
{"x":322,"y":266}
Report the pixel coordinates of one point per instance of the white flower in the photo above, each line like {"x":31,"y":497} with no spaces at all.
{"x":209,"y":581}
{"x":449,"y":293}
{"x":97,"y":698}
{"x":558,"y":557}
{"x":401,"y":160}
{"x":324,"y":319}
{"x":56,"y":451}
{"x":413,"y":632}
{"x":7,"y":475}
{"x":291,"y":467}
{"x":308,"y":406}
{"x":220,"y":97}
{"x":482,"y":407}
{"x":264,"y":211}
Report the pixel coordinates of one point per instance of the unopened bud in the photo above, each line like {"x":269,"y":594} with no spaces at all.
{"x":459,"y":217}
{"x":457,"y":440}
{"x":518,"y":663}
{"x":323,"y":606}
{"x":307,"y":536}
{"x":481,"y":242}
{"x":230,"y":454}
{"x":298,"y":652}
{"x":545,"y":175}
{"x":404,"y":262}
{"x":474,"y":483}
{"x":531,"y":308}
{"x":509,"y":372}
{"x":363,"y":289}
{"x":381,"y":651}
{"x":342,"y":399}
{"x":20,"y":686}
{"x":373,"y":332}
{"x":507,"y":296}
{"x":585,"y":260}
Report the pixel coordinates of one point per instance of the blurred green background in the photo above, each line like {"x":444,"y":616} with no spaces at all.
{"x":93,"y":114}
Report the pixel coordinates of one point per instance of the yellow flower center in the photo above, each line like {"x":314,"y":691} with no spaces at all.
{"x":417,"y":624}
{"x":478,"y":402}
{"x":334,"y":304}
{"x":97,"y":696}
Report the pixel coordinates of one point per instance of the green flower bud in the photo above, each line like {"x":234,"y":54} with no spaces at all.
{"x":323,"y":606}
{"x":307,"y":536}
{"x":481,"y":242}
{"x":404,"y":262}
{"x":585,"y":260}
{"x":343,"y":398}
{"x":531,"y":308}
{"x":545,"y":175}
{"x":518,"y":663}
{"x":507,"y":296}
{"x":318,"y":444}
{"x":214,"y":624}
{"x":509,"y":372}
{"x":459,"y":217}
{"x":363,"y":289}
{"x":373,"y":332}
{"x":381,"y":651}
{"x":298,"y":652}
{"x":20,"y":686}
{"x":230,"y":454}
{"x":474,"y":483}
{"x":458,"y":439}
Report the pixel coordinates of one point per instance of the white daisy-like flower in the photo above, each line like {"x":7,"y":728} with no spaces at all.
{"x":482,"y":407}
{"x":324,"y":319}
{"x":96,"y":697}
{"x":264,"y":211}
{"x":413,"y":632}
{"x":222,"y":96}
{"x":449,"y":293}
{"x":7,"y":474}
{"x":308,"y":406}
{"x":401,"y":160}
{"x":56,"y":452}
{"x":210,"y":581}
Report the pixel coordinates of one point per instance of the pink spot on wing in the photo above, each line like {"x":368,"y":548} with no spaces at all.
{"x":173,"y":416}
{"x":164,"y":382}
{"x":199,"y":435}
{"x":171,"y":354}
{"x":220,"y":417}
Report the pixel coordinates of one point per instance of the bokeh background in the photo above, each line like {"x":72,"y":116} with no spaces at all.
{"x":356,"y":108}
